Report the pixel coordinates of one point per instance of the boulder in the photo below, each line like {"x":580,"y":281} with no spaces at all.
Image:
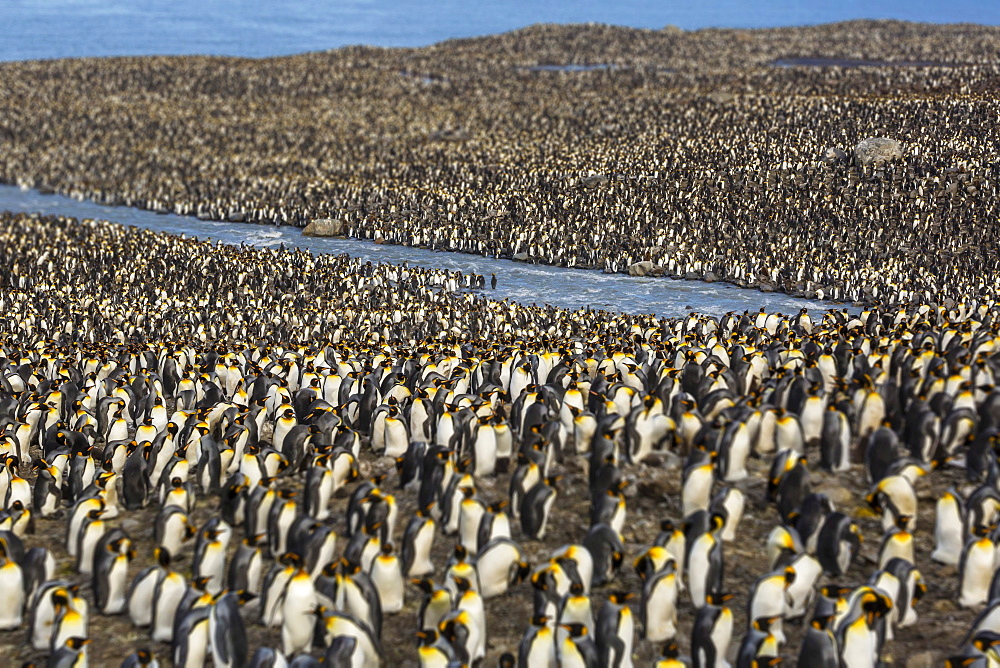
{"x":235,"y":216}
{"x":324,"y":227}
{"x":520,"y":257}
{"x":640,"y":268}
{"x":593,"y":180}
{"x":876,"y":150}
{"x":924,"y":659}
{"x":721,"y":97}
{"x":449,"y":134}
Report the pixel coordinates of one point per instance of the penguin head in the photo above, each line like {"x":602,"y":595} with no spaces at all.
{"x":60,"y":599}
{"x":717,"y":599}
{"x":822,"y":622}
{"x":423,"y":584}
{"x":161,"y":556}
{"x":621,"y":597}
{"x":874,"y":605}
{"x":522,"y":572}
{"x":290,"y":560}
{"x":200,"y":583}
{"x":426,"y":637}
{"x":671,"y":650}
{"x":834,"y":591}
{"x":462,"y":584}
{"x":540,"y":578}
{"x":451,"y":631}
{"x":764,"y":623}
{"x":122,"y":546}
{"x":766,"y":661}
{"x":986,"y":640}
{"x":576,"y":629}
{"x":874,"y":500}
{"x":211,"y":534}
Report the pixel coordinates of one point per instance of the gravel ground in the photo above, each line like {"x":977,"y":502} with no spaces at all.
{"x":654,"y":495}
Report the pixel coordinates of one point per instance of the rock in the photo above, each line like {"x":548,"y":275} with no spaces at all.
{"x":653,"y":489}
{"x":640,"y":268}
{"x":236,"y":216}
{"x":766,"y":287}
{"x":520,"y":257}
{"x":133,"y":526}
{"x":324,"y":227}
{"x":834,"y":154}
{"x":926,"y":659}
{"x":876,"y":150}
{"x":652,"y":460}
{"x":945,"y":605}
{"x":450,"y":134}
{"x":710,"y":277}
{"x":593,"y":180}
{"x":721,"y":97}
{"x":840,"y":495}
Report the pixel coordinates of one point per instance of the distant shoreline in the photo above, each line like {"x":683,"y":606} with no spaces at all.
{"x":214,"y":48}
{"x":693,"y":155}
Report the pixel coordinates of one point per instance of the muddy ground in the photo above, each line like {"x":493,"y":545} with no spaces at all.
{"x":654,"y":495}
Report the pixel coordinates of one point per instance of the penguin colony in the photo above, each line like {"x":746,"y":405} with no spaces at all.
{"x":265,"y":457}
{"x":691,"y":151}
{"x":262,"y":457}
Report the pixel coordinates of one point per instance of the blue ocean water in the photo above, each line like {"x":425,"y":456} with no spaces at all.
{"x":255,"y":28}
